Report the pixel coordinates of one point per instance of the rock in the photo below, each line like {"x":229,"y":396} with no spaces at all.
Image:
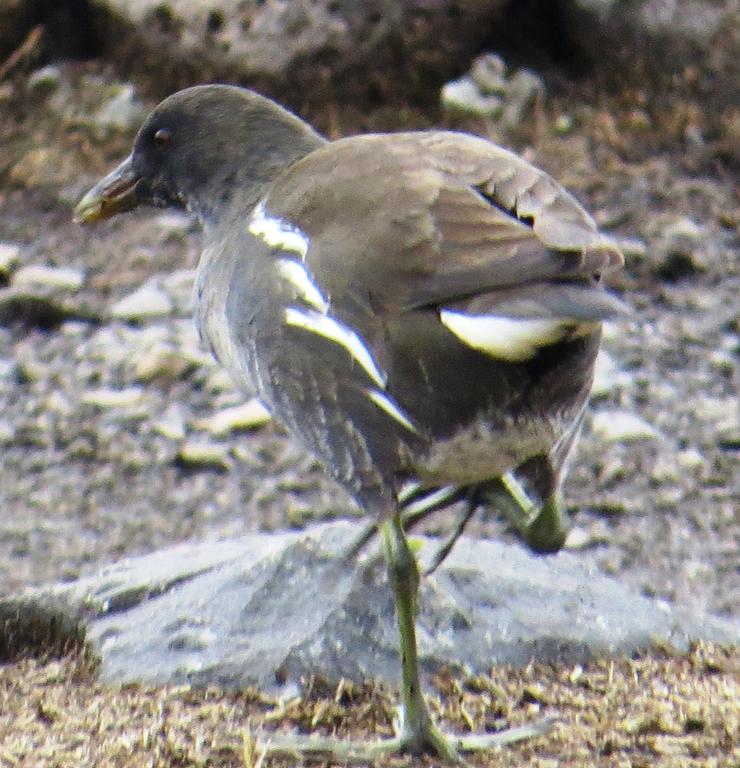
{"x":42,"y":276}
{"x":295,"y":46}
{"x":102,"y":106}
{"x":249,"y":415}
{"x":7,"y":432}
{"x":487,"y":92}
{"x":488,"y":73}
{"x":174,"y":224}
{"x":202,"y":454}
{"x":463,"y":96}
{"x":171,"y":424}
{"x":148,"y":302}
{"x":729,"y":438}
{"x":44,"y":168}
{"x":160,"y":361}
{"x":273,"y":609}
{"x":179,"y":287}
{"x":113,"y":398}
{"x":123,"y":111}
{"x":34,"y":307}
{"x":8,"y":369}
{"x":690,"y":459}
{"x":608,"y":378}
{"x":9,"y":257}
{"x":670,"y":37}
{"x":681,"y":250}
{"x":45,"y":80}
{"x":621,"y":427}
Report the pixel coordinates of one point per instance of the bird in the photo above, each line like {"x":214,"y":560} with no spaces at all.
{"x":422,"y":310}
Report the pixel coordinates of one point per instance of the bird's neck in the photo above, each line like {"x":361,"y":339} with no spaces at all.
{"x":245,"y":178}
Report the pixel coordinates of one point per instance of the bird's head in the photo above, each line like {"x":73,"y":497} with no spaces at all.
{"x":197,"y":149}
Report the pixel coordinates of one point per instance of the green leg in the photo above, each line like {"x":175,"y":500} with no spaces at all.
{"x":418,"y":735}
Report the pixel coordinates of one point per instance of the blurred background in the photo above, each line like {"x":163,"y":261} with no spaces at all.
{"x":119,"y":435}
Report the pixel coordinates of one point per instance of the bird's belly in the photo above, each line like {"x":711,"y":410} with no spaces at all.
{"x":483,"y":450}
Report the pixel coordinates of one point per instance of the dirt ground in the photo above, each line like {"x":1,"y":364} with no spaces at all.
{"x":79,"y":489}
{"x":675,"y":712}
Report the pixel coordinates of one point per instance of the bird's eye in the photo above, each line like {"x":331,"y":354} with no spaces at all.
{"x":162,"y":138}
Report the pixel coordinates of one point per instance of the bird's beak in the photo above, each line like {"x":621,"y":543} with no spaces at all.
{"x":113,"y":194}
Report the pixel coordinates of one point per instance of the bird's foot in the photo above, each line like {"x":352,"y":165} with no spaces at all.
{"x":449,"y":749}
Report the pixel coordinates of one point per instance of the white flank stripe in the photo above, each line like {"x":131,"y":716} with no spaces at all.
{"x":277,"y":233}
{"x":297,"y":275}
{"x":385,"y":402}
{"x":506,"y":338}
{"x":329,"y":328}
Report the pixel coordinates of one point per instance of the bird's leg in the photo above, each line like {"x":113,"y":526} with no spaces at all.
{"x":416,"y":507}
{"x":418,"y":734}
{"x":542,"y":528}
{"x":441,"y":554}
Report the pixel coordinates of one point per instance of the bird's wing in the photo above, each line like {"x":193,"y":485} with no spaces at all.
{"x":402,"y":221}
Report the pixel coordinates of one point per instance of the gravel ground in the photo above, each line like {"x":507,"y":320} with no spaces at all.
{"x":676,"y":712}
{"x":108,"y":444}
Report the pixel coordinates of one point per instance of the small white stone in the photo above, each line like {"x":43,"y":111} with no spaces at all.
{"x":665,"y":470}
{"x":58,"y":403}
{"x":113,"y":398}
{"x":42,"y":276}
{"x":173,"y":223}
{"x":463,"y":95}
{"x":220,"y":381}
{"x":621,"y":427}
{"x":606,"y":376}
{"x":8,"y":368}
{"x":147,"y":302}
{"x":7,"y":432}
{"x":9,"y":256}
{"x":689,"y":458}
{"x":160,"y":360}
{"x":202,"y":453}
{"x":249,"y":415}
{"x":171,"y":424}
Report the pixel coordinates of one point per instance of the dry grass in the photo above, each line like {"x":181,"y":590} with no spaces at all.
{"x":659,"y":709}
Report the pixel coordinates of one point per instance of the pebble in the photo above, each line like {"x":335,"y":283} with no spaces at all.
{"x":42,"y":276}
{"x":173,"y":224}
{"x":689,"y":458}
{"x":123,"y":111}
{"x":249,"y":415}
{"x":160,"y":361}
{"x":682,"y":250}
{"x":179,"y":287}
{"x":7,"y":432}
{"x":45,"y":80}
{"x":113,"y":398}
{"x":220,"y":381}
{"x":204,"y":454}
{"x":607,"y":377}
{"x":8,"y":368}
{"x":487,"y":92}
{"x":463,"y":95}
{"x":621,"y":426}
{"x":148,"y":301}
{"x":488,"y":72}
{"x":9,"y":257}
{"x":171,"y":424}
{"x":665,"y":470}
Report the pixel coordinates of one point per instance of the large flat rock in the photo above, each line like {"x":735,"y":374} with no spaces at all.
{"x":272,"y":609}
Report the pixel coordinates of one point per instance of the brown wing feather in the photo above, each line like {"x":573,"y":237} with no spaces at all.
{"x":430,"y":218}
